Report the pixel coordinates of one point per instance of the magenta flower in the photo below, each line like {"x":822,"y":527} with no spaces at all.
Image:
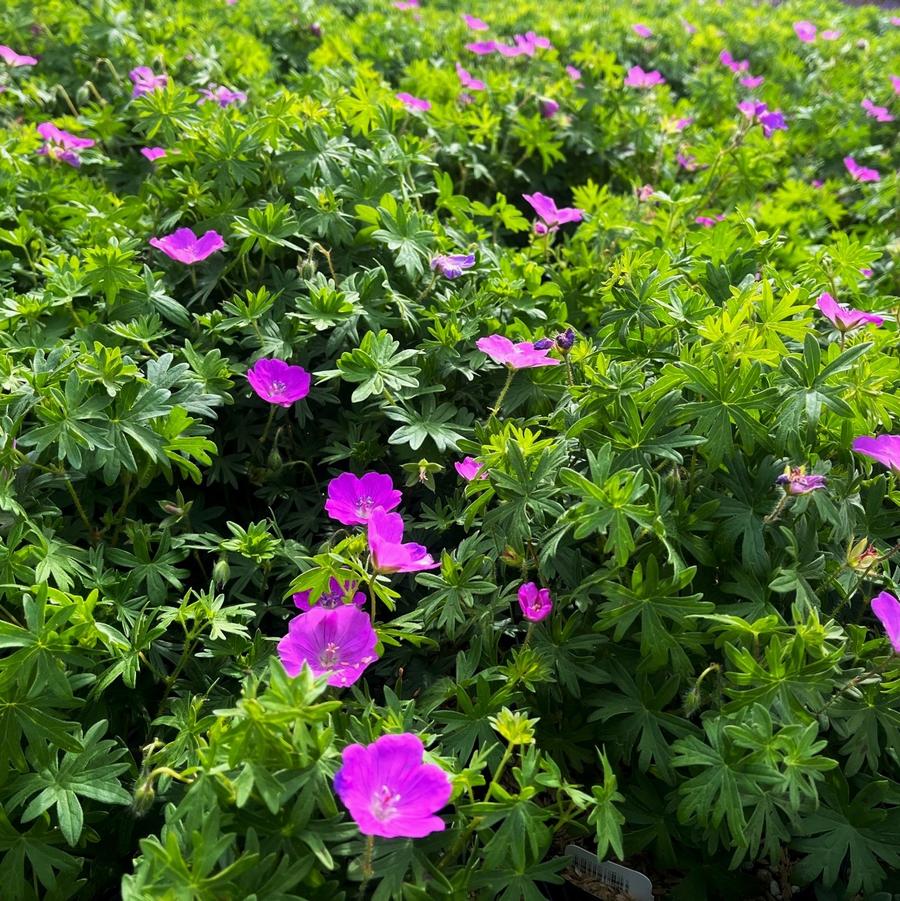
{"x":389,"y":790}
{"x":727,"y":60}
{"x":406,"y":4}
{"x":482,"y":48}
{"x":770,"y":120}
{"x":573,"y":73}
{"x":467,"y":81}
{"x":389,"y":553}
{"x":352,"y":499}
{"x":867,"y":273}
{"x":452,"y":265}
{"x":895,"y":21}
{"x":752,"y":81}
{"x":61,"y":145}
{"x":895,"y":83}
{"x":278,"y":382}
{"x":525,"y":45}
{"x":845,"y":318}
{"x":13,"y":59}
{"x":883,"y":448}
{"x":411,"y":102}
{"x":806,"y":31}
{"x":145,"y":81}
{"x":879,"y":113}
{"x":887,"y":608}
{"x":644,"y":193}
{"x":831,"y":34}
{"x":153,"y":153}
{"x":687,"y":162}
{"x":638,"y":78}
{"x":337,"y":595}
{"x":642,"y":31}
{"x":339,"y":643}
{"x":860,"y":173}
{"x":535,"y":602}
{"x":682,"y":123}
{"x":688,"y":27}
{"x":475,"y":23}
{"x":551,"y":215}
{"x":469,"y":468}
{"x":795,"y":480}
{"x":751,"y":108}
{"x":709,"y":221}
{"x":523,"y":355}
{"x":222,"y":95}
{"x":549,"y":108}
{"x":183,"y":245}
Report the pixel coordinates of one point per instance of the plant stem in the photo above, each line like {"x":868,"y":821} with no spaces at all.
{"x":510,"y":375}
{"x":265,"y":433}
{"x":366,"y":862}
{"x":84,"y":517}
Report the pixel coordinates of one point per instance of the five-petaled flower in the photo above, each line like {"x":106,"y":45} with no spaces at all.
{"x":13,"y":59}
{"x":411,"y":102}
{"x":467,"y":80}
{"x":338,"y":594}
{"x":887,"y":608}
{"x":860,"y":173}
{"x":726,"y":59}
{"x":278,"y":382}
{"x":475,"y":23}
{"x":638,"y":78}
{"x":550,"y":214}
{"x":878,"y":113}
{"x":806,"y":31}
{"x":469,"y":468}
{"x":389,"y":790}
{"x":535,"y":602}
{"x":185,"y":247}
{"x":338,"y":643}
{"x":146,"y":80}
{"x":452,"y":265}
{"x":795,"y":480}
{"x":523,"y":355}
{"x":845,"y":318}
{"x":883,"y":448}
{"x":389,"y":553}
{"x":61,"y":145}
{"x":153,"y":153}
{"x":352,"y":499}
{"x":752,"y":81}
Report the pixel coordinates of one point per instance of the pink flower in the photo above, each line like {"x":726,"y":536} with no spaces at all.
{"x":183,"y":245}
{"x":389,"y":553}
{"x":752,"y":81}
{"x":222,"y":95}
{"x":895,"y":82}
{"x":535,"y":602}
{"x":573,"y":73}
{"x":845,"y":318}
{"x":895,"y":20}
{"x":817,"y":183}
{"x":523,"y":355}
{"x":709,"y":222}
{"x":278,"y":382}
{"x":337,"y":595}
{"x":860,"y":173}
{"x":13,"y":59}
{"x":879,"y":113}
{"x":887,"y":608}
{"x":642,"y":31}
{"x":682,"y":123}
{"x":352,"y":499}
{"x":153,"y":153}
{"x":482,"y":48}
{"x":688,"y":27}
{"x":831,"y":35}
{"x":338,"y":643}
{"x":883,"y":448}
{"x":406,"y":4}
{"x":411,"y":102}
{"x":549,"y":108}
{"x":867,"y":273}
{"x":551,"y":215}
{"x":475,"y":23}
{"x":467,"y":81}
{"x":806,"y":31}
{"x":644,"y":193}
{"x":389,"y":790}
{"x":469,"y":468}
{"x":638,"y":78}
{"x":145,"y":81}
{"x":687,"y":162}
{"x":726,"y":59}
{"x":61,"y":145}
{"x":795,"y":481}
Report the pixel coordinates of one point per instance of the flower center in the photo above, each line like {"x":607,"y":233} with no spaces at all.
{"x":330,"y":656}
{"x":384,"y":803}
{"x":364,"y":505}
{"x":277,"y":387}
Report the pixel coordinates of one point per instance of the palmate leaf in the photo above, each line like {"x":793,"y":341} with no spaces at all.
{"x":436,"y":423}
{"x":377,"y":365}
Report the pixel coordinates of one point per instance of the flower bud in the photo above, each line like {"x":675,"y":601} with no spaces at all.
{"x":543,"y":344}
{"x":315,"y":29}
{"x":221,"y":571}
{"x":566,"y":339}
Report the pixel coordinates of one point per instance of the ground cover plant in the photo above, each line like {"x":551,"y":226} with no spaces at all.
{"x":431,"y":435}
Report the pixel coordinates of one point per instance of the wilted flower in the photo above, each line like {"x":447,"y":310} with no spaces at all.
{"x":551,"y":215}
{"x":860,"y":173}
{"x":641,"y":30}
{"x":806,"y":31}
{"x":645,"y":192}
{"x":411,"y":102}
{"x":337,"y":595}
{"x":475,"y":23}
{"x":389,"y":790}
{"x":145,"y":81}
{"x":523,"y":355}
{"x":726,"y":59}
{"x":13,"y":59}
{"x":338,"y":642}
{"x":887,"y":608}
{"x":686,"y":161}
{"x":795,"y":480}
{"x":535,"y":602}
{"x":222,"y":95}
{"x":883,"y":448}
{"x":573,"y":73}
{"x":315,"y":29}
{"x":752,"y":81}
{"x":473,"y":84}
{"x":153,"y":153}
{"x":452,"y":265}
{"x":845,"y":318}
{"x":352,"y":499}
{"x":548,"y":107}
{"x":389,"y":553}
{"x":469,"y":468}
{"x":863,"y":557}
{"x":879,"y":113}
{"x":566,"y":340}
{"x":60,"y":145}
{"x":183,"y":245}
{"x":278,"y":382}
{"x":638,"y":78}
{"x":465,"y":98}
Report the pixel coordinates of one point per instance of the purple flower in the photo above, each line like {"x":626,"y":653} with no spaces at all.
{"x":682,"y":123}
{"x":411,"y":102}
{"x":523,"y":355}
{"x":551,"y":215}
{"x":709,"y":221}
{"x":895,"y":21}
{"x":887,"y":608}
{"x":153,"y":153}
{"x":895,"y":82}
{"x":688,"y":27}
{"x":389,"y":553}
{"x":352,"y":499}
{"x":452,"y":265}
{"x":475,"y":23}
{"x":883,"y":448}
{"x":752,"y":81}
{"x":806,"y":31}
{"x":727,"y":60}
{"x":751,"y":108}
{"x":13,"y":59}
{"x":339,"y":642}
{"x":337,"y":595}
{"x":278,"y":382}
{"x":549,"y":108}
{"x":867,"y":273}
{"x":638,"y":78}
{"x":145,"y":80}
{"x":61,"y":145}
{"x":389,"y":790}
{"x":642,"y":31}
{"x":845,"y":318}
{"x":482,"y":48}
{"x":831,"y":35}
{"x":315,"y":29}
{"x":467,"y":81}
{"x":573,"y":73}
{"x":469,"y":468}
{"x":772,"y":120}
{"x":566,"y":340}
{"x":465,"y":99}
{"x":796,"y":481}
{"x":535,"y":602}
{"x":879,"y":113}
{"x":183,"y":245}
{"x":687,"y":162}
{"x":222,"y":95}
